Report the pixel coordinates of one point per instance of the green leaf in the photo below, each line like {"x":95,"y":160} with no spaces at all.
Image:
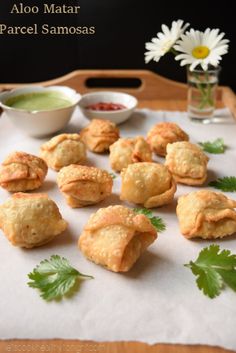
{"x":216,"y":146}
{"x":144,"y":211}
{"x":208,"y":280}
{"x":157,"y":222}
{"x":225,"y":184}
{"x":214,"y":269}
{"x":229,"y":278}
{"x":54,"y":277}
{"x":113,"y":175}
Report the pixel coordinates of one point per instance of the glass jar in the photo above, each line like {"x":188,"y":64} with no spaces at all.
{"x":202,"y":94}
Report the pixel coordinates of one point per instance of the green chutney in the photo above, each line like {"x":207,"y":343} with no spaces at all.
{"x":49,"y":100}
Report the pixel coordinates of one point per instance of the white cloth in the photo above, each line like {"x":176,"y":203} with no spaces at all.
{"x":158,"y":300}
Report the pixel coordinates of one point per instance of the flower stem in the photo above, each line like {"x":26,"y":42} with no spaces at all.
{"x":206,"y":92}
{"x":173,"y":51}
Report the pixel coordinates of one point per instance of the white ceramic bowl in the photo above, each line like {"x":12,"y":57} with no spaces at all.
{"x":43,"y":122}
{"x":117,"y":116}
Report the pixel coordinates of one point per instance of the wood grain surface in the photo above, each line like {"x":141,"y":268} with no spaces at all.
{"x":152,"y":87}
{"x":173,"y":97}
{"x":73,"y":346}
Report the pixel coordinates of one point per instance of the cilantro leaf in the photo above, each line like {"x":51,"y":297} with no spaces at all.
{"x":224,"y":184}
{"x":157,"y":222}
{"x":144,"y":211}
{"x":214,"y":269}
{"x":215,"y":147}
{"x":113,"y":175}
{"x":54,"y":277}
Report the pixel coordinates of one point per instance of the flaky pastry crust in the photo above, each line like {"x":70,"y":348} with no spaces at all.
{"x":129,"y":150}
{"x":82,"y":185}
{"x":63,"y":150}
{"x":30,"y":220}
{"x":99,"y":135}
{"x":206,"y":214}
{"x":22,"y":172}
{"x":115,"y":237}
{"x":163,"y":133}
{"x":148,"y":184}
{"x":187,"y":163}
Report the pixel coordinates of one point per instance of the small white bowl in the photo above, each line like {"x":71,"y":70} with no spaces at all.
{"x":43,"y":122}
{"x":117,"y":116}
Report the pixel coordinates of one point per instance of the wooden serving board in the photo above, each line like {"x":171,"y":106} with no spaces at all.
{"x":75,"y":346}
{"x":154,"y":92}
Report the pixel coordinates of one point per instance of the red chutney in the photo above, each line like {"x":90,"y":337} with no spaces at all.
{"x":103,"y":106}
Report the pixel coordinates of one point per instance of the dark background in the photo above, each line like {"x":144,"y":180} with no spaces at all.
{"x":122,"y":28}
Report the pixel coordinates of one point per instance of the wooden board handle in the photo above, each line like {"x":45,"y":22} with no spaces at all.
{"x":152,"y":87}
{"x":229,"y":100}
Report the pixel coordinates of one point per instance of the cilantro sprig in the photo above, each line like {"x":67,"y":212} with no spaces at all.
{"x":225,"y":184}
{"x":217,"y":146}
{"x":214,"y":269}
{"x":157,"y":222}
{"x":55,"y":278}
{"x":113,"y":175}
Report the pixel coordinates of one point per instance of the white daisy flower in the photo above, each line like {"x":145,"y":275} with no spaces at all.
{"x":201,"y":48}
{"x":164,"y":41}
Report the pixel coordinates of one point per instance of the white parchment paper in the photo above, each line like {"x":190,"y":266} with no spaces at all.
{"x":157,"y":301}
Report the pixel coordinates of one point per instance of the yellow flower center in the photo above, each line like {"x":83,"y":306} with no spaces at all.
{"x":200,"y":52}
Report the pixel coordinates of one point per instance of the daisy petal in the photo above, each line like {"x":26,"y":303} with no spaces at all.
{"x":164,"y":40}
{"x":201,"y":48}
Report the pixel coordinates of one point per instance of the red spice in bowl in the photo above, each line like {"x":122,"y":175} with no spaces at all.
{"x":103,"y":106}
